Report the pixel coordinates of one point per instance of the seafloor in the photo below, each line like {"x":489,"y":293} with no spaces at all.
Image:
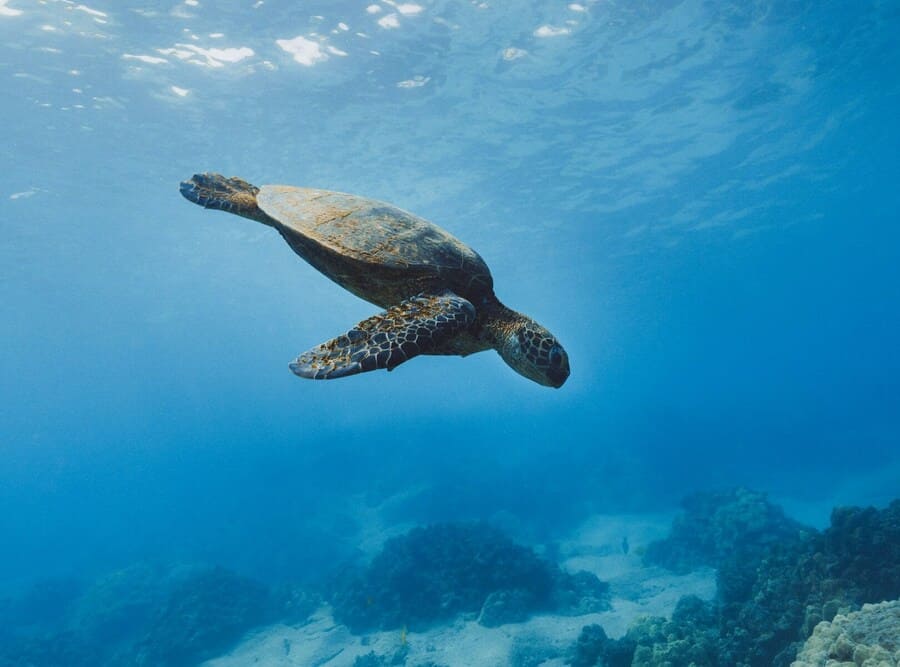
{"x":729,"y":580}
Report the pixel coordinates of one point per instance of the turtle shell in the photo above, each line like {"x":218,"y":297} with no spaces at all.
{"x":374,"y":234}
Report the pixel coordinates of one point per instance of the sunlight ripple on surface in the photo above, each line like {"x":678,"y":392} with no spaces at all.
{"x":389,"y":21}
{"x":8,"y":11}
{"x":550,"y":31}
{"x":304,"y":51}
{"x":213,"y":57}
{"x":152,"y":60}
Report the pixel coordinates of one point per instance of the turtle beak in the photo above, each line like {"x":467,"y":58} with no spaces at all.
{"x":558,"y":376}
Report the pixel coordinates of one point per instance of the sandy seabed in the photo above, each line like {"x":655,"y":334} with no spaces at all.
{"x":596,"y":546}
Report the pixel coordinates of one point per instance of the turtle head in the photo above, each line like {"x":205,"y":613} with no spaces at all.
{"x":534,"y":352}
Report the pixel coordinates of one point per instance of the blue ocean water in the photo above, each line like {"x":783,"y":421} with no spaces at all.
{"x":700,"y":199}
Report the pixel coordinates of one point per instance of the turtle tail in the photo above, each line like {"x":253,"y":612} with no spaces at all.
{"x":224,"y":194}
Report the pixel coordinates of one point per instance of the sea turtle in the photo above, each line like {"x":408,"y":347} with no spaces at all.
{"x":436,"y":291}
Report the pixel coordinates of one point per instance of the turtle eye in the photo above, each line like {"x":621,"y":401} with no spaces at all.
{"x":555,"y":355}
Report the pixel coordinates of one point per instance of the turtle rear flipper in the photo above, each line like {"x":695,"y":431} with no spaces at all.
{"x":217,"y":192}
{"x":416,"y":326}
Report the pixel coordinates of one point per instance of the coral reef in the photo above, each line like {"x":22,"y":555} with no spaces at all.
{"x":506,"y":606}
{"x":689,"y":638}
{"x":863,"y":545}
{"x":715,"y":525}
{"x":854,"y":561}
{"x":593,"y":647}
{"x":94,"y":623}
{"x":119,"y":605}
{"x":436,"y":572}
{"x":145,"y":614}
{"x":866,"y":638}
{"x":203,"y":616}
{"x":580,"y":593}
{"x":770,"y":594}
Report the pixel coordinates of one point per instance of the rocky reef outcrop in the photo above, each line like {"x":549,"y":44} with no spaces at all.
{"x":146,"y":614}
{"x":714,"y":526}
{"x":593,"y":647}
{"x":202,"y":616}
{"x":436,"y":572}
{"x":777,"y":581}
{"x":866,"y":638}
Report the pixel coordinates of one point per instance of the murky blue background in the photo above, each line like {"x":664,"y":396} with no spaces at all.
{"x":700,"y":199}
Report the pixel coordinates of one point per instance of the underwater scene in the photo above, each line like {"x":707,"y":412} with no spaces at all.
{"x":450,"y":333}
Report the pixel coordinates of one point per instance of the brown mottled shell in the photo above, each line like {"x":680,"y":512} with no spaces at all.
{"x":375,"y":237}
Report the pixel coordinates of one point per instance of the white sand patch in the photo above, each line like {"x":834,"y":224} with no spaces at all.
{"x":373,"y":9}
{"x":319,"y":642}
{"x":575,"y":7}
{"x":343,"y":26}
{"x":305,"y":51}
{"x":8,"y":11}
{"x":599,"y":546}
{"x":336,"y":51}
{"x":550,"y":31}
{"x":323,"y":643}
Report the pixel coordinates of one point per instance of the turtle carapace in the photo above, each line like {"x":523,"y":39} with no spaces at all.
{"x":438,"y":294}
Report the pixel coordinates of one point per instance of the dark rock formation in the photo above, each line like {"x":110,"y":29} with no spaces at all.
{"x":593,"y":647}
{"x":436,"y":572}
{"x":142,"y":615}
{"x":714,"y":526}
{"x":771,"y":594}
{"x":203,"y":616}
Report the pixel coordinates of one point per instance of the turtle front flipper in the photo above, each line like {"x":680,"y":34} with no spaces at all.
{"x":233,"y":195}
{"x":419,"y":325}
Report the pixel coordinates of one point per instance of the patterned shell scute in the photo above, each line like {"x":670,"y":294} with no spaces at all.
{"x":369,"y":231}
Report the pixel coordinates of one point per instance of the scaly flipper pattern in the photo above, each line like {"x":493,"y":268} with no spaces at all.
{"x":233,"y":195}
{"x":416,"y":326}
